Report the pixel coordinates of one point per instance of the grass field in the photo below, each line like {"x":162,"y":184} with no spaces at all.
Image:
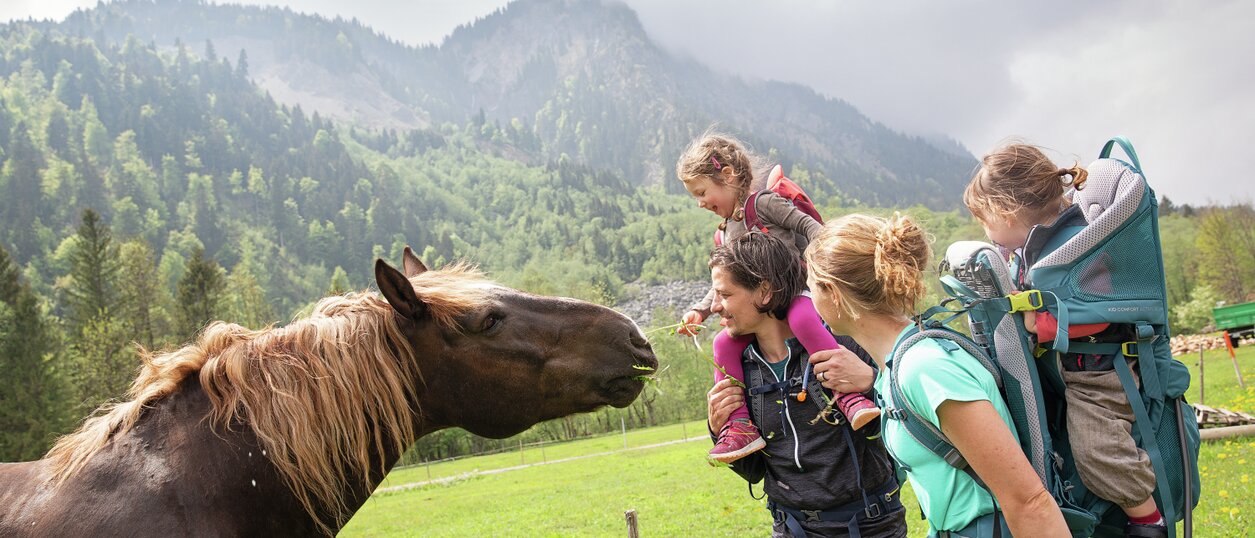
{"x":676,"y":494}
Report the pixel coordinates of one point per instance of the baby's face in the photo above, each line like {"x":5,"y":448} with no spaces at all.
{"x":717,"y":197}
{"x":1009,"y":234}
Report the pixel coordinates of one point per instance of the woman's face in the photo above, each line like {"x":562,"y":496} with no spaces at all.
{"x":718,"y":197}
{"x":826,"y":304}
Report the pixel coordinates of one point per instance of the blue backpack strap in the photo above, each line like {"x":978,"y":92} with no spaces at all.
{"x":925,"y":433}
{"x":1056,"y":306}
{"x":1124,"y":145}
{"x":1143,"y":432}
{"x":754,"y":382}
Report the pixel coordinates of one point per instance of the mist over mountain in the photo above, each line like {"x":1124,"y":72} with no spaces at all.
{"x":581,"y":75}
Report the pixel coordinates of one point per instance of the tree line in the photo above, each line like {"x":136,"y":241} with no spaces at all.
{"x":147,"y":192}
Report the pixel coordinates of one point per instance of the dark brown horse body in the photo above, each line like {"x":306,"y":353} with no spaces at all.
{"x":511,"y":362}
{"x":169,"y":476}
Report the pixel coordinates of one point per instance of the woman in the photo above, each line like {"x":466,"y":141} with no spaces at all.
{"x":866,"y":274}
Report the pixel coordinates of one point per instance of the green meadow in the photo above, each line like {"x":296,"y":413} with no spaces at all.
{"x":676,"y":494}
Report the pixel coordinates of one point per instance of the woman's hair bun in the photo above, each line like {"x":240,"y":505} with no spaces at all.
{"x":902,"y":253}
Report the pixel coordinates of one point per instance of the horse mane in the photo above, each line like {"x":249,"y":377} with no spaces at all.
{"x":320,"y":393}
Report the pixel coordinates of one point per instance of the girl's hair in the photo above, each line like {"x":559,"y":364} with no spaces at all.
{"x":709,"y":153}
{"x":755,"y":258}
{"x":876,"y":264}
{"x":1018,"y":181}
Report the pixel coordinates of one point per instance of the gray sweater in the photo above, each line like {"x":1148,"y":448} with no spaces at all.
{"x":782,"y":220}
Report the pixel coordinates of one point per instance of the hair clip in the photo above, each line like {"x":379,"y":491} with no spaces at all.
{"x":716,"y":161}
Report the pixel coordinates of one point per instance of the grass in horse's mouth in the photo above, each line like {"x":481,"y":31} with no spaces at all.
{"x":652,"y":378}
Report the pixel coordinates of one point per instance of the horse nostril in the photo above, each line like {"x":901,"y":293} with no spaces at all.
{"x":640,"y":342}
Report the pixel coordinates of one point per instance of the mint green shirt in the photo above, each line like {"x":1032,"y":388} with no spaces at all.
{"x":929,"y":375}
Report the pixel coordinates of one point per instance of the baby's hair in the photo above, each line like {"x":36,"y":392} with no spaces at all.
{"x":709,"y":153}
{"x":876,"y":264}
{"x":1017,"y":181}
{"x":756,"y":258}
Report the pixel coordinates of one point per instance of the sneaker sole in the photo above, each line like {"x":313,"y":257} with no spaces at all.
{"x":862,"y":418}
{"x":729,"y":457}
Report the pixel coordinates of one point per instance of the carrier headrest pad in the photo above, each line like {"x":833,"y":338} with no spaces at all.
{"x":1110,"y":197}
{"x":1109,"y":180}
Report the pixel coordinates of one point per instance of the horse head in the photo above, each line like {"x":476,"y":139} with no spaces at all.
{"x":511,"y":359}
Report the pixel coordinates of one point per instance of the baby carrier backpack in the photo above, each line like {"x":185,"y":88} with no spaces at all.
{"x":1111,"y":271}
{"x":783,"y":186}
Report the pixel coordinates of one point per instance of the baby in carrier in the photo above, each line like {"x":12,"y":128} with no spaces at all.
{"x":1018,"y":196}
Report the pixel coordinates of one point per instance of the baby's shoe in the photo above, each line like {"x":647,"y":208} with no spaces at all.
{"x":738,"y":439}
{"x":857,"y":409}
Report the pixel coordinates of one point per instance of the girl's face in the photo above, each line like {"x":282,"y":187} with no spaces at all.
{"x":718,"y":197}
{"x":1009,"y":234}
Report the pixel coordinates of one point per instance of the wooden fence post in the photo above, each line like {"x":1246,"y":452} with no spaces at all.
{"x":1201,"y":384}
{"x":633,"y":530}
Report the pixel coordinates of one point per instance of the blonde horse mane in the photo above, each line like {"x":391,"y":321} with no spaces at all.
{"x":320,"y":393}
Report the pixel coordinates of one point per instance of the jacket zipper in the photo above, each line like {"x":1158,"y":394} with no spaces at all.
{"x":785,"y":399}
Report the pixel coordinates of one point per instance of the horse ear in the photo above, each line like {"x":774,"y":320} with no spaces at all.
{"x":413,"y":265}
{"x":398,"y":291}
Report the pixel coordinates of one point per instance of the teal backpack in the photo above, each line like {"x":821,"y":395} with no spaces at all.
{"x":1110,"y":271}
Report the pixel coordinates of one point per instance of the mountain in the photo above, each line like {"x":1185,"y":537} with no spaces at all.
{"x":581,"y":76}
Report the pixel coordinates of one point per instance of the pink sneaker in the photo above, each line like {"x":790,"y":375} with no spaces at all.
{"x":857,"y":409}
{"x":738,"y":439}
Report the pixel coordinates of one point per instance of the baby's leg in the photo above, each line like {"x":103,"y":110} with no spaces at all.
{"x":728,"y":350}
{"x":1100,"y":423}
{"x":808,"y":327}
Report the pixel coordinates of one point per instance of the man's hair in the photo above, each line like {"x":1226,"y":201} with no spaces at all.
{"x":755,"y":258}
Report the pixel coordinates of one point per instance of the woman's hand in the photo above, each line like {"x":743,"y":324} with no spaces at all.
{"x":690,"y":324}
{"x":722,"y":399}
{"x":841,"y":370}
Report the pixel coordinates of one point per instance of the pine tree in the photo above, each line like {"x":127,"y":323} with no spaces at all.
{"x":31,"y":392}
{"x":200,"y":294}
{"x":93,"y":273}
{"x":22,"y":199}
{"x":103,"y":362}
{"x":339,"y":282}
{"x":140,"y":290}
{"x":241,"y":65}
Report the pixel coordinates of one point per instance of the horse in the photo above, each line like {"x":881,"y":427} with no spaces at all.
{"x":287,"y":430}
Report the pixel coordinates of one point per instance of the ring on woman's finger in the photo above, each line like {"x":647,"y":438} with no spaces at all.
{"x":820,"y":376}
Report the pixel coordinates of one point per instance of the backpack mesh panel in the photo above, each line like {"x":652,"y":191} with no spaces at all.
{"x":1132,"y":254}
{"x":1112,"y":195}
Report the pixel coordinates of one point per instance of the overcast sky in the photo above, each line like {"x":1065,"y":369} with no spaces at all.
{"x":1175,"y":76}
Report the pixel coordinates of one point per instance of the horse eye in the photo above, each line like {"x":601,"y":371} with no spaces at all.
{"x":490,"y":322}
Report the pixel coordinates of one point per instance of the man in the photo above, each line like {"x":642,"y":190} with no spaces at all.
{"x":820,"y":478}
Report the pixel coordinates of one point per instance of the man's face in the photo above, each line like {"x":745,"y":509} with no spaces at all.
{"x":735,"y":304}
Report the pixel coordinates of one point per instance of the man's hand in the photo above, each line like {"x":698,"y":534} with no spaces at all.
{"x":841,"y":370}
{"x":722,"y":399}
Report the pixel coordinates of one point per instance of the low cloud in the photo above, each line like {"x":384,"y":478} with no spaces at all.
{"x":1172,"y":75}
